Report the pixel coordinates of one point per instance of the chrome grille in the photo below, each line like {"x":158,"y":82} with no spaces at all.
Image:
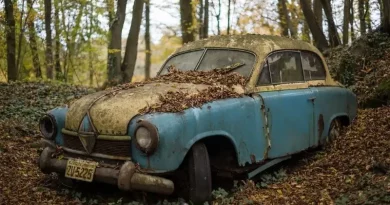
{"x":73,"y":142}
{"x":115,"y":148}
{"x":107,"y":147}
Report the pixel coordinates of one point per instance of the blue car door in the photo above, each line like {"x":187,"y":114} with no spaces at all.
{"x":289,"y":108}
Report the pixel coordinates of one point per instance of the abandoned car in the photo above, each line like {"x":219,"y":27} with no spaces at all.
{"x":289,"y":103}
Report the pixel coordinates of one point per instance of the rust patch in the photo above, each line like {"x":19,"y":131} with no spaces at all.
{"x":253,"y":158}
{"x":320,"y":126}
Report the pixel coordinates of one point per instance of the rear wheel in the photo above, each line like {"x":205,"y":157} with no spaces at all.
{"x":334,"y":130}
{"x":199,"y":174}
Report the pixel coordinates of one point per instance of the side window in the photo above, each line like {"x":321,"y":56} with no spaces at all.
{"x":312,"y":66}
{"x":285,"y":67}
{"x":264,"y":79}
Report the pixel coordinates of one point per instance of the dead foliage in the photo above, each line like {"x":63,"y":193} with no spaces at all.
{"x":222,"y":82}
{"x":354,"y":169}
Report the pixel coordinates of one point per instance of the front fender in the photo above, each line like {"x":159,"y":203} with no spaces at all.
{"x":237,"y":119}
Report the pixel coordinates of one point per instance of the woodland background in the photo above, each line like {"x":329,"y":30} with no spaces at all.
{"x":94,"y":42}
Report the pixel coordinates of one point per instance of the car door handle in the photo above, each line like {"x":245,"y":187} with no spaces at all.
{"x":311,"y":99}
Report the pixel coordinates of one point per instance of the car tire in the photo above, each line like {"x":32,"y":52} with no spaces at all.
{"x":199,"y":171}
{"x":334,"y":130}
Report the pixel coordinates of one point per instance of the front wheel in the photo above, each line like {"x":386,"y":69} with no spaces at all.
{"x":199,"y":174}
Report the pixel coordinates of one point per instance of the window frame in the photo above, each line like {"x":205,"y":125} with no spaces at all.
{"x":204,"y":53}
{"x":303,"y":72}
{"x":322,"y":63}
{"x":269,"y":70}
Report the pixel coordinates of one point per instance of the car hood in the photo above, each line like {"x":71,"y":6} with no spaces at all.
{"x":111,"y":111}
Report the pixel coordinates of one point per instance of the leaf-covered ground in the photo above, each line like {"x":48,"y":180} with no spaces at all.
{"x":355,"y":169}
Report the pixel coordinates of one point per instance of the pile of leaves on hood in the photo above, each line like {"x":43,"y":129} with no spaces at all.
{"x":223,"y":84}
{"x":354,"y":169}
{"x":23,"y":103}
{"x":364,"y":67}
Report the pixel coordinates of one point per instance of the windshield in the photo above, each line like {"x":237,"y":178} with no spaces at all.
{"x":214,"y":58}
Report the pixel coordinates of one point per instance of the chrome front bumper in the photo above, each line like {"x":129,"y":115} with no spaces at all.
{"x":126,"y":178}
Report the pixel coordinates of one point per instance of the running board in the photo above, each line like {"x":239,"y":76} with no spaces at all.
{"x":266,"y":166}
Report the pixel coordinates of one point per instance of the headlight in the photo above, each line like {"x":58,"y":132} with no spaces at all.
{"x":146,"y":137}
{"x":47,"y":126}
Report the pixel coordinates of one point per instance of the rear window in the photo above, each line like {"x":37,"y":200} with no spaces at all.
{"x":285,"y":67}
{"x":312,"y":66}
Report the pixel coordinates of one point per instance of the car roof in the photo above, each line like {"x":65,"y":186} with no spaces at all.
{"x":261,"y":45}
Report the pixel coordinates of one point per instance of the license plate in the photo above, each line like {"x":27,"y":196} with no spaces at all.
{"x":80,"y":169}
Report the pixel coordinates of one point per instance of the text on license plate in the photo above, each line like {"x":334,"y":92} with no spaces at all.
{"x":80,"y":169}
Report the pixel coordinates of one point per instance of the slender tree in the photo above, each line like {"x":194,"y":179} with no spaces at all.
{"x":367,"y":15}
{"x":315,"y":29}
{"x":130,"y":57}
{"x":282,"y":17}
{"x":187,"y":21}
{"x":346,"y":20}
{"x":33,"y":42}
{"x":361,"y":17}
{"x":333,"y":35}
{"x":205,"y":32}
{"x":228,"y":16}
{"x":352,"y":21}
{"x":200,"y":20}
{"x":49,"y":53}
{"x":115,"y":39}
{"x":12,"y":69}
{"x":148,"y":51}
{"x":386,"y":16}
{"x":57,"y":49}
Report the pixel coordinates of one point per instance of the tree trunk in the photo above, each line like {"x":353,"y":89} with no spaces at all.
{"x":315,"y":29}
{"x":187,"y":21}
{"x":130,"y":58}
{"x":305,"y":29}
{"x":288,"y":19}
{"x":206,"y":20}
{"x":200,"y":20}
{"x":57,"y":29}
{"x":317,"y":7}
{"x":33,"y":42}
{"x":20,"y":40}
{"x":361,"y":17}
{"x":386,"y":16}
{"x":90,"y":55}
{"x":367,"y":15}
{"x":12,"y":70}
{"x":333,"y":35}
{"x":282,"y":18}
{"x":347,"y":14}
{"x":49,"y":53}
{"x":218,"y":16}
{"x":228,"y":16}
{"x":148,"y":51}
{"x":114,"y":58}
{"x":352,"y":21}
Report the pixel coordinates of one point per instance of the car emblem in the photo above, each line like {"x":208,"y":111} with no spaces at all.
{"x":86,"y":135}
{"x":88,"y":141}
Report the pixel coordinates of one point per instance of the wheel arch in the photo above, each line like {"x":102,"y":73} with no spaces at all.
{"x":222,"y":138}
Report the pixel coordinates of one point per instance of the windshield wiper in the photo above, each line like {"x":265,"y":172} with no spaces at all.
{"x":231,"y":67}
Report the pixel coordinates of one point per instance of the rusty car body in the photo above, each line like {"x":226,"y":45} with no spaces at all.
{"x":291,"y":103}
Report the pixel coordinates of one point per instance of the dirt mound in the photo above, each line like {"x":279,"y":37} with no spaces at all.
{"x":365,"y":68}
{"x":355,"y":169}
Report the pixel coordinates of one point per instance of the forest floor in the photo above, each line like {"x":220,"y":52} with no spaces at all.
{"x":354,"y":169}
